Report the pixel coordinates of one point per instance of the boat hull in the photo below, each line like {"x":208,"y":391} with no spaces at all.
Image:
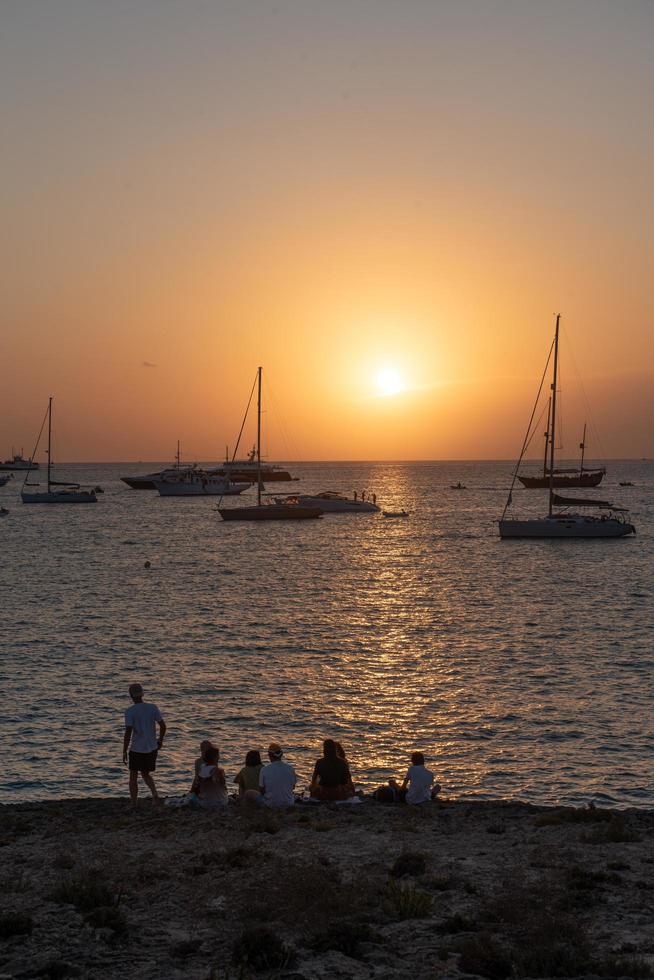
{"x":59,"y":497}
{"x":590,"y":479}
{"x":270,"y":512}
{"x":198,"y":488}
{"x":332,"y":505}
{"x":139,"y":482}
{"x":18,"y":467}
{"x":569,"y":526}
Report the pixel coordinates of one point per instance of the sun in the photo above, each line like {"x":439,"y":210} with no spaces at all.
{"x":389,"y":382}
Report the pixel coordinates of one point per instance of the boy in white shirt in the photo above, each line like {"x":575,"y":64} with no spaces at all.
{"x":277,"y":780}
{"x":419,"y":780}
{"x":141,"y":739}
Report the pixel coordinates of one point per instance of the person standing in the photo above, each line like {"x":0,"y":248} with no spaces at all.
{"x":141,"y":719}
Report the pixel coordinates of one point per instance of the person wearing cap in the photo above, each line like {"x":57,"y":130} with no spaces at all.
{"x":277,"y":780}
{"x":141,"y":739}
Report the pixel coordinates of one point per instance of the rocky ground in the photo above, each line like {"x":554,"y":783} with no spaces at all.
{"x":90,"y":889}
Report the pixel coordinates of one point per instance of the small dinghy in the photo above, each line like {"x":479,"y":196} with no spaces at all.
{"x":395,"y":513}
{"x":458,"y":486}
{"x":3,"y":511}
{"x":626,"y":483}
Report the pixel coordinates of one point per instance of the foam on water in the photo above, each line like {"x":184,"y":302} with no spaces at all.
{"x":522,"y":669}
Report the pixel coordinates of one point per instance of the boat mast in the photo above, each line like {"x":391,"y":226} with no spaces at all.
{"x":177,"y":456}
{"x":553,"y":426}
{"x":547,"y":438}
{"x":49,"y":439}
{"x":582,"y":446}
{"x":259,"y":438}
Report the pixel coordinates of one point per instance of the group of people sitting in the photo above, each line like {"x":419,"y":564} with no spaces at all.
{"x":274,"y":784}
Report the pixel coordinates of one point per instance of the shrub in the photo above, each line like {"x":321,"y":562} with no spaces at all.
{"x":408,"y":901}
{"x":15,"y":924}
{"x":457,"y":923}
{"x":261,"y":949}
{"x":86,"y":892}
{"x":614,"y":832}
{"x":108,"y":917}
{"x":484,"y":956}
{"x":409,"y":863}
{"x":589,"y":814}
{"x":344,"y":937}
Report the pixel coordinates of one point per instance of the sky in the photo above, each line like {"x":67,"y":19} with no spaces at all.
{"x":383,"y":203}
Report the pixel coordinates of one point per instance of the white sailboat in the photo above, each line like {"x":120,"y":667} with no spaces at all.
{"x":63,"y":493}
{"x":563,"y":519}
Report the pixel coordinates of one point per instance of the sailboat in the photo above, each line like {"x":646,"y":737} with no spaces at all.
{"x":564,"y":478}
{"x":273,"y":511}
{"x":65,"y":493}
{"x":562,"y":521}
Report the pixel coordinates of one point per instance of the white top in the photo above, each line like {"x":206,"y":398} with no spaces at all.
{"x":420,"y":783}
{"x":211,"y":793}
{"x":141,"y":718}
{"x":277,"y":782}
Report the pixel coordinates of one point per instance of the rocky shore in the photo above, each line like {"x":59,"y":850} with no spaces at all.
{"x":90,"y":889}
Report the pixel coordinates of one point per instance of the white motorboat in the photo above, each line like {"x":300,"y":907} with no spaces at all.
{"x":18,"y":462}
{"x":565,"y":521}
{"x":64,"y":493}
{"x":331,"y":502}
{"x":197,"y":483}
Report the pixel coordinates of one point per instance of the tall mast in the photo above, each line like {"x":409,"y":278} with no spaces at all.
{"x":553,"y":425}
{"x":582,"y":446}
{"x":259,"y":439}
{"x":547,"y":438}
{"x":49,"y":439}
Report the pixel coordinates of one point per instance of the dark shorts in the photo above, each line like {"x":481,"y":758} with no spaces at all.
{"x":143,"y":761}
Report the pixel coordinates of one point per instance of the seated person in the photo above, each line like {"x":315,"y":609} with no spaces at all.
{"x":276,"y":780}
{"x":418,"y":785}
{"x":205,"y":745}
{"x":331,"y":778}
{"x":248,"y":777}
{"x":212,"y":791}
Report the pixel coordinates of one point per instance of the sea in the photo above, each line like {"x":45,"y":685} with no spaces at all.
{"x":522,"y":669}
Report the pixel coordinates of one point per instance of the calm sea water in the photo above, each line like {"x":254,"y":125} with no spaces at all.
{"x":522,"y":669}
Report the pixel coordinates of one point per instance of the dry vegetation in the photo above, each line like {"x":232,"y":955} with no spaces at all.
{"x":89,"y":889}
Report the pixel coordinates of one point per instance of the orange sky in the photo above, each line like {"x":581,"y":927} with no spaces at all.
{"x":329,"y":190}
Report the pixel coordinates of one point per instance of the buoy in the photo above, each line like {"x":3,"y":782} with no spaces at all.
{"x":146,"y":565}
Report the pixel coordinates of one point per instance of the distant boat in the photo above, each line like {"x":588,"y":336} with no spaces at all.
{"x":3,"y":512}
{"x":267,"y":512}
{"x":246,"y":470}
{"x":197,"y":483}
{"x":566,"y":478}
{"x":626,"y":483}
{"x":458,"y":486}
{"x":562,"y":522}
{"x":65,"y":493}
{"x":5,"y":479}
{"x":331,"y":502}
{"x":18,"y":462}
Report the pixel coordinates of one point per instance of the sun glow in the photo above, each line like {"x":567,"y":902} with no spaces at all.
{"x":389,"y":382}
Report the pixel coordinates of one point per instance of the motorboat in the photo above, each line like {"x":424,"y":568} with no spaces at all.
{"x":395,"y":513}
{"x":331,"y":502}
{"x":278,"y":511}
{"x":626,"y":483}
{"x":197,"y":483}
{"x":57,"y":492}
{"x":18,"y":462}
{"x":3,"y":512}
{"x":458,"y":486}
{"x":245,"y":470}
{"x":4,"y":480}
{"x":148,"y":480}
{"x":563,"y":519}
